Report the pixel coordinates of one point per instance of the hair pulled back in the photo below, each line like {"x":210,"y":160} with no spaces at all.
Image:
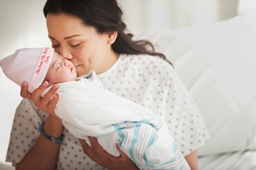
{"x":104,"y":16}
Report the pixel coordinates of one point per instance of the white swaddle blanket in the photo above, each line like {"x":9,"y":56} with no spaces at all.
{"x":89,"y":110}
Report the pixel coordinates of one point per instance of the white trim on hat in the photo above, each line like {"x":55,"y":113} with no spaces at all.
{"x":41,"y":68}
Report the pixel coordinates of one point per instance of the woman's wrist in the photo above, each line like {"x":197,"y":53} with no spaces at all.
{"x":58,"y":140}
{"x":53,"y":127}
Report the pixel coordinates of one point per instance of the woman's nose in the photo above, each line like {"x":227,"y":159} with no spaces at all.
{"x":66,"y":54}
{"x":67,"y":63}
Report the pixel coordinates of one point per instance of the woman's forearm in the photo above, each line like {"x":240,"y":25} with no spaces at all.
{"x":192,"y":160}
{"x":44,"y":154}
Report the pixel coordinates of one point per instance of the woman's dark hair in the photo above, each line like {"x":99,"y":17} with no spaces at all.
{"x":104,"y":16}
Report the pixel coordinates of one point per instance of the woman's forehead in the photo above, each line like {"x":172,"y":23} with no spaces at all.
{"x":63,"y":23}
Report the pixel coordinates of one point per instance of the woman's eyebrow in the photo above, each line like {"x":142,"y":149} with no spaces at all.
{"x":51,"y":37}
{"x":76,"y":35}
{"x":68,"y":37}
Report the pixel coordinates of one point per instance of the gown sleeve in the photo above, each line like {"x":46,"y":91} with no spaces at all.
{"x":182,"y":115}
{"x":24,"y":131}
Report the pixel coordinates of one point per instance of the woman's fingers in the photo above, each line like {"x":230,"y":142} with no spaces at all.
{"x":103,"y":158}
{"x":88,"y":150}
{"x":47,"y":98}
{"x":125,"y":161}
{"x":122,"y":156}
{"x":53,"y":101}
{"x":36,"y":95}
{"x":24,"y":91}
{"x":48,"y":101}
{"x":95,"y":152}
{"x":95,"y":145}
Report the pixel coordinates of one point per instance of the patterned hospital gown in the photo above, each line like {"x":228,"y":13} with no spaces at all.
{"x":146,"y":80}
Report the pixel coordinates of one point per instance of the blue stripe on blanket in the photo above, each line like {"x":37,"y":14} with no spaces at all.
{"x":136,"y":137}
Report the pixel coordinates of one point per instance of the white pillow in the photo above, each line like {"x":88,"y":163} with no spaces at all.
{"x":217,"y":64}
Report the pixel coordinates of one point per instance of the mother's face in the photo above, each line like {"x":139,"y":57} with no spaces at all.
{"x":81,"y":44}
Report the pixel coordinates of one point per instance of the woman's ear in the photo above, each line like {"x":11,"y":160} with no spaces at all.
{"x":112,"y":37}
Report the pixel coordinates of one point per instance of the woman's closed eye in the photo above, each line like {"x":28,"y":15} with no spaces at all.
{"x":55,"y":45}
{"x":75,"y":45}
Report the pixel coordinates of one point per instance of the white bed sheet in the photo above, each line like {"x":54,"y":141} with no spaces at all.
{"x":245,"y":160}
{"x":6,"y":166}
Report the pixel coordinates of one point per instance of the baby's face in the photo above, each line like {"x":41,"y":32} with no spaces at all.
{"x":60,"y":70}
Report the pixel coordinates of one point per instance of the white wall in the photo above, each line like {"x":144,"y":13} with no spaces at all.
{"x":153,"y":15}
{"x":22,"y":24}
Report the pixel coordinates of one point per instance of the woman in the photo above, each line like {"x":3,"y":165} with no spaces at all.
{"x":91,"y":35}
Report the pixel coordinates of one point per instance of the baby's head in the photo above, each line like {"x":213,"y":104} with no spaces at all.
{"x":60,"y":70}
{"x":32,"y":64}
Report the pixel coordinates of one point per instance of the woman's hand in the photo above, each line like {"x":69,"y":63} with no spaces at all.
{"x":102,"y":158}
{"x":45,"y":103}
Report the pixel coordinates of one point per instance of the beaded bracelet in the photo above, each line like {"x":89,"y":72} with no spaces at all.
{"x":58,"y":140}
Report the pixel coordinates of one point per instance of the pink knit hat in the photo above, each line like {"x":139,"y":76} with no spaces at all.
{"x":28,"y":64}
